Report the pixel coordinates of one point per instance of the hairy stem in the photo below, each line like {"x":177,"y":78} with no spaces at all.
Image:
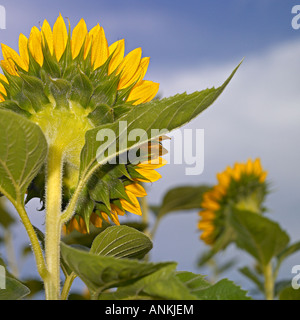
{"x":53,"y":223}
{"x":67,"y":286}
{"x":35,"y":245}
{"x":269,"y":281}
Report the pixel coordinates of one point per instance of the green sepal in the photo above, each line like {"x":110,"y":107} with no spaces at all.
{"x":60,"y":90}
{"x":33,"y":89}
{"x":102,"y":114}
{"x":82,"y":89}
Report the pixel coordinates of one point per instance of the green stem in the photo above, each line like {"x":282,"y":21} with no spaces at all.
{"x":35,"y":245}
{"x":53,"y":222}
{"x":67,"y":286}
{"x":269,"y":281}
{"x":155,"y":227}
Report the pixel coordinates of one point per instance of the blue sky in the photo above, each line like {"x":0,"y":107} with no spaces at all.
{"x":193,"y":45}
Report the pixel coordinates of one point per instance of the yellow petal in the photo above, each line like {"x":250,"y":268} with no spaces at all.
{"x":35,"y":45}
{"x":128,"y":67}
{"x":89,"y":39}
{"x":117,"y":49}
{"x":47,"y":35}
{"x":145,"y":91}
{"x":203,"y":225}
{"x":3,"y":78}
{"x":249,"y":167}
{"x":153,"y":163}
{"x":11,"y":56}
{"x":9,"y":67}
{"x":60,"y":37}
{"x":140,"y":73}
{"x":99,"y":49}
{"x":134,"y":207}
{"x":115,"y":219}
{"x":207,"y":215}
{"x":1,"y":98}
{"x":136,"y":189}
{"x":150,"y":175}
{"x":263,"y":176}
{"x":96,"y":220}
{"x":223,"y":179}
{"x":117,"y":210}
{"x":23,"y":49}
{"x":257,"y":168}
{"x":78,"y":38}
{"x":79,"y":225}
{"x":2,"y":89}
{"x":210,"y":205}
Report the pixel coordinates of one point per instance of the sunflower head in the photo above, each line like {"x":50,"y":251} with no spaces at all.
{"x":68,"y":82}
{"x":242,"y":187}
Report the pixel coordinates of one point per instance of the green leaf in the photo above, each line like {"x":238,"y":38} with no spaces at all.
{"x":166,"y":114}
{"x":259,"y":236}
{"x":23,"y":149}
{"x":182,"y":198}
{"x":121,"y":242}
{"x":193,"y":281}
{"x":289,"y":294}
{"x":288,"y":251}
{"x":253,"y":277}
{"x":162,"y":284}
{"x":103,"y":272}
{"x":222,"y":290}
{"x":14,"y":290}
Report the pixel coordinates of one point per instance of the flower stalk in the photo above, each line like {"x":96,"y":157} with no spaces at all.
{"x":269,"y":281}
{"x":53,"y":221}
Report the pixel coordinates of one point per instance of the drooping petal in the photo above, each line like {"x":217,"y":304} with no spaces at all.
{"x":145,"y":91}
{"x":60,"y":37}
{"x":11,"y":56}
{"x":96,"y":220}
{"x":128,"y":67}
{"x":136,"y":189}
{"x":134,"y":207}
{"x":78,"y":38}
{"x":9,"y":67}
{"x":2,"y":89}
{"x":150,"y":175}
{"x":140,"y":72}
{"x":153,"y":164}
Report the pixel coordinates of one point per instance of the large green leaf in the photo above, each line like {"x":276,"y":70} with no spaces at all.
{"x":222,"y":290}
{"x":162,"y":284}
{"x":289,"y":294}
{"x":181,"y":198}
{"x":121,"y":242}
{"x":259,"y":236}
{"x":288,"y":251}
{"x":253,"y":277}
{"x":166,"y":114}
{"x":103,"y":272}
{"x":23,"y":149}
{"x":14,"y":290}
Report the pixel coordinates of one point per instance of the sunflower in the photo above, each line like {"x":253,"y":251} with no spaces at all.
{"x":243,"y":187}
{"x":69,"y":82}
